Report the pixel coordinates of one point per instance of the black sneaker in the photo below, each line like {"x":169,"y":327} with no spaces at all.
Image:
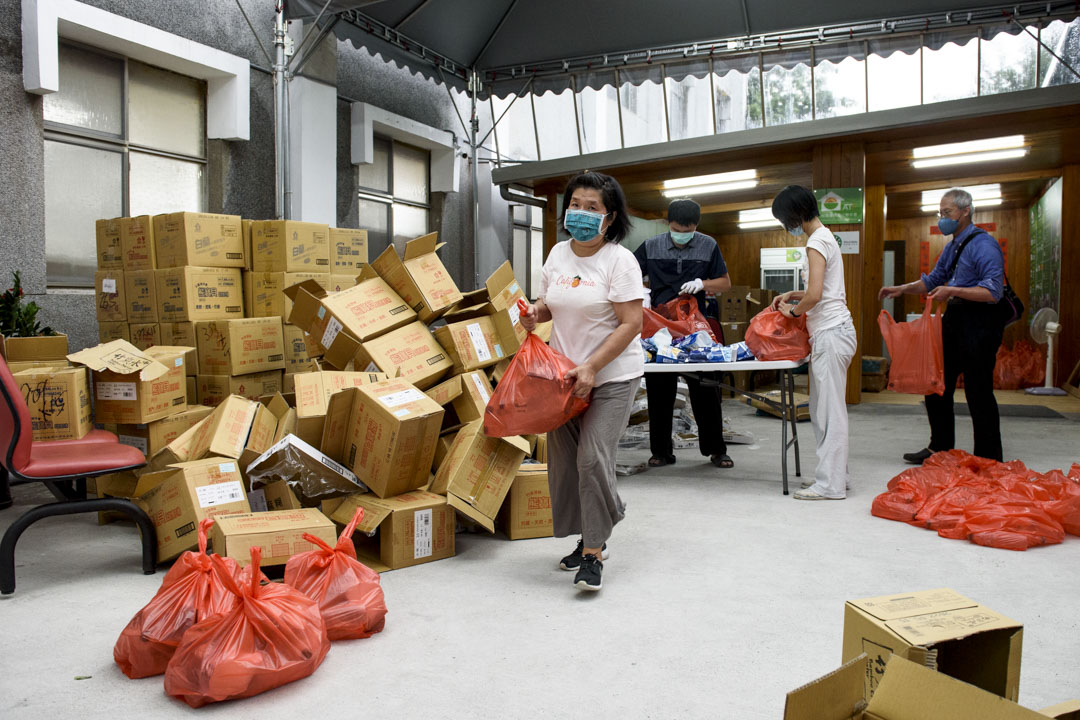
{"x":588,"y":575}
{"x":573,"y":560}
{"x":918,"y":458}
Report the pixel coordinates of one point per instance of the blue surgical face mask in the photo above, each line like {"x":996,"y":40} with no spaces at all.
{"x":796,"y":231}
{"x":947,"y":226}
{"x":583,"y":225}
{"x":681,"y":238}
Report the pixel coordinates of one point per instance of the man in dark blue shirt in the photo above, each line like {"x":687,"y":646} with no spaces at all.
{"x":971,"y":329}
{"x":684,"y":261}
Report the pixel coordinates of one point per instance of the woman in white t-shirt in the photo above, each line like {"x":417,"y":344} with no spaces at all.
{"x":832,"y":339}
{"x":591,"y":289}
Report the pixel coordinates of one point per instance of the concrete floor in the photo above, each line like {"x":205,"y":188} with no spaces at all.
{"x":721,"y":595}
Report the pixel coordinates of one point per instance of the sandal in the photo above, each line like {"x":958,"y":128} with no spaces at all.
{"x":661,"y":461}
{"x":722,"y":461}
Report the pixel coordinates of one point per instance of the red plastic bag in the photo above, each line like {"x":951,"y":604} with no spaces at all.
{"x":916,"y":352}
{"x":273,"y":636}
{"x":771,"y":335}
{"x":348,"y":592}
{"x":190,"y":592}
{"x":652,"y":323}
{"x":1023,"y":366}
{"x":534,"y":395}
{"x":680,"y":316}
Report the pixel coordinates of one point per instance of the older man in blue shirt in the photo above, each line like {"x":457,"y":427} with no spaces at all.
{"x":969,"y":275}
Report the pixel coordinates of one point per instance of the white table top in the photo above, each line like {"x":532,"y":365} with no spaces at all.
{"x":744,"y":365}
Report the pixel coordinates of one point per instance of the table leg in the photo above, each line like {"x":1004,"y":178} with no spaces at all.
{"x":783,"y":433}
{"x":794,"y":423}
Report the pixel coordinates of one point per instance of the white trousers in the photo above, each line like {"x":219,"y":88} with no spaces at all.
{"x":830,"y":355}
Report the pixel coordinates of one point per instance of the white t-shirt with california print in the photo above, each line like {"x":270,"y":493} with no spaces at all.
{"x":580,"y":291}
{"x":832,"y":309}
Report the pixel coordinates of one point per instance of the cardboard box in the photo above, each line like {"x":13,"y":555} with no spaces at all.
{"x":132,"y":385}
{"x":1068,"y":710}
{"x":526,"y":513}
{"x":58,"y":400}
{"x":290,"y":246}
{"x":264,"y":292}
{"x":468,"y":394}
{"x":420,"y":277}
{"x":295,"y":350}
{"x":109,"y":331}
{"x":471,"y":344}
{"x":498,"y":299}
{"x":199,"y":239}
{"x":109,"y":293}
{"x":51,"y":348}
{"x":237,"y":425}
{"x":145,"y":335}
{"x":115,"y":485}
{"x":733,"y":304}
{"x":757,"y":300}
{"x":411,"y":352}
{"x":280,"y":534}
{"x":183,"y":334}
{"x":179,"y":497}
{"x":274,"y":496}
{"x":341,"y":282}
{"x":908,"y":691}
{"x":192,"y":388}
{"x":540,"y":452}
{"x":312,"y":474}
{"x":874,"y":365}
{"x":212,"y":389}
{"x":385,"y":432}
{"x":348,"y":250}
{"x":151,"y":437}
{"x":442,"y":447}
{"x":398,"y":532}
{"x":245,"y":231}
{"x":874,"y":383}
{"x":313,"y":392}
{"x":341,"y":321}
{"x":190,"y":294}
{"x":940,"y":629}
{"x":477,"y":474}
{"x":137,"y":246}
{"x":240,"y":347}
{"x":110,"y":255}
{"x":140,"y":296}
{"x":734,"y":332}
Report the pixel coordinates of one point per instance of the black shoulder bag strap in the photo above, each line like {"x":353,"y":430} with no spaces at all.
{"x":1010,"y":304}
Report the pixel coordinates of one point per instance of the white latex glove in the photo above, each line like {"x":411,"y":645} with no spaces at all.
{"x":693,"y":287}
{"x":646,"y":302}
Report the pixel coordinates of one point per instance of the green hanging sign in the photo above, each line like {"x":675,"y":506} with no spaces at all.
{"x":840,"y":206}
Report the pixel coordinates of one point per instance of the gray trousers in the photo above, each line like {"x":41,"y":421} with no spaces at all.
{"x":581,"y":465}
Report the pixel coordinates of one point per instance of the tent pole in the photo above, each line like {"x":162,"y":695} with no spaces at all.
{"x":281,"y":128}
{"x":474,"y":127}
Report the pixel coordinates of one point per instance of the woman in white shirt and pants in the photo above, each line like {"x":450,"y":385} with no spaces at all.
{"x":591,"y":289}
{"x":832,"y":339}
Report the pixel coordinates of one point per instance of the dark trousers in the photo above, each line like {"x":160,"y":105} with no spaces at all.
{"x":971,"y":334}
{"x":705,"y":401}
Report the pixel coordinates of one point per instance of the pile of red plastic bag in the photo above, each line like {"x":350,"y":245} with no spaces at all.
{"x":219,"y":632}
{"x":1023,"y":366}
{"x":1002,"y":505}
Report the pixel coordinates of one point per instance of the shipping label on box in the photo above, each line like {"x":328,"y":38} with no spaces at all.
{"x":145,"y":335}
{"x":280,"y":534}
{"x":471,"y":344}
{"x":132,"y":385}
{"x":151,"y":437}
{"x":199,"y":239}
{"x":478,"y":471}
{"x":527,"y":510}
{"x":411,"y":353}
{"x":183,"y":334}
{"x":420,"y":278}
{"x":179,"y":497}
{"x":240,"y":347}
{"x":109,"y":331}
{"x":290,"y":246}
{"x":110,"y":255}
{"x":58,"y":400}
{"x":199,"y":293}
{"x":348,"y":250}
{"x":940,"y":629}
{"x":109,"y":291}
{"x":401,"y":531}
{"x":140,"y":296}
{"x":137,"y":243}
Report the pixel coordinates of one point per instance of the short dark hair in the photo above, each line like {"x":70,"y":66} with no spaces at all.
{"x":612,"y":196}
{"x":794,"y":206}
{"x":684,"y":211}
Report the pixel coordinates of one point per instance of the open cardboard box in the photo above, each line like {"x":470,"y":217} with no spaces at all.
{"x":410,"y":352}
{"x":907,"y":691}
{"x":135,"y":386}
{"x":420,"y":277}
{"x":467,"y":393}
{"x":312,"y":392}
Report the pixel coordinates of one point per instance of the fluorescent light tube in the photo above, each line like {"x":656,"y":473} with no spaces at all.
{"x":757,"y":214}
{"x":970,"y":158}
{"x":710,"y":179}
{"x":709,"y":189}
{"x":979,"y":204}
{"x":759,"y":224}
{"x":978,"y":192}
{"x":971,"y":146}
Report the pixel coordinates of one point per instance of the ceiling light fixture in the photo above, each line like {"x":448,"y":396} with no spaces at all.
{"x":758,"y":224}
{"x":757,"y":218}
{"x":972,"y":151}
{"x":979,"y":204}
{"x":978,"y":192}
{"x":710,"y":189}
{"x":710,"y":179}
{"x":970,"y":158}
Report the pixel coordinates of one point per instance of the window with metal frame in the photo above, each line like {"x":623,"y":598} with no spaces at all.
{"x":394,"y":198}
{"x":527,"y":247}
{"x":122,"y":138}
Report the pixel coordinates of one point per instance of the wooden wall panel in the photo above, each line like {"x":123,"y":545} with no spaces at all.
{"x":1068,"y":353}
{"x":871,"y":253}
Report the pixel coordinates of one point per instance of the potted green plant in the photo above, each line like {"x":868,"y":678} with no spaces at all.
{"x":24,"y":338}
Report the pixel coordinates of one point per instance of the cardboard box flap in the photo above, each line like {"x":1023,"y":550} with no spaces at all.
{"x":121,"y":357}
{"x":375,"y":511}
{"x":335,"y":430}
{"x":445,"y":392}
{"x":312,"y":287}
{"x":911,"y":692}
{"x":366,"y":273}
{"x":1068,"y":710}
{"x":423,"y":245}
{"x":502,"y":278}
{"x":906,"y":605}
{"x":463,"y":507}
{"x":517,"y":441}
{"x":278,"y":405}
{"x":927,"y":630}
{"x":836,"y":696}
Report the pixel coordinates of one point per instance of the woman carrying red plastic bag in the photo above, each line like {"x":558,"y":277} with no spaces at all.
{"x":772,"y":335}
{"x":348,"y":592}
{"x":591,"y":289}
{"x":832,"y":338}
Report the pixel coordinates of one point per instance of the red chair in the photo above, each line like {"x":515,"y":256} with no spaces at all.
{"x":62,"y":466}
